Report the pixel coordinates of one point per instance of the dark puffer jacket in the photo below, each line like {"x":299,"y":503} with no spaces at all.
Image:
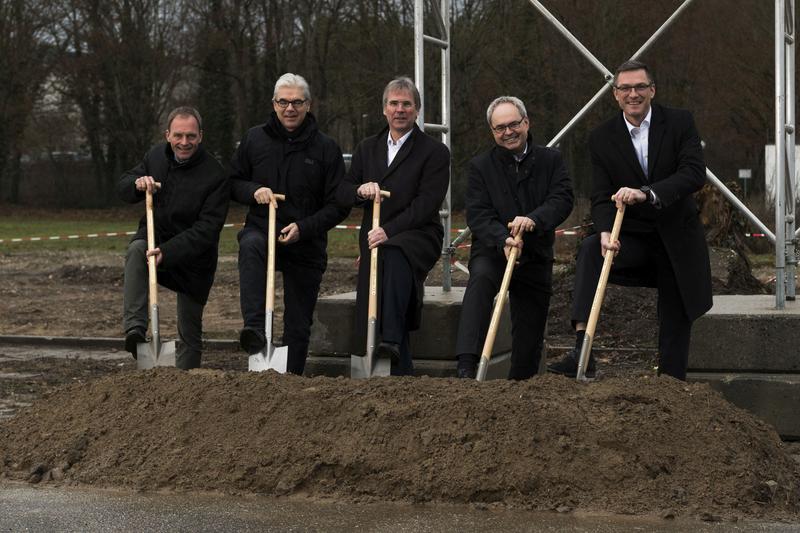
{"x":188,"y":213}
{"x":306,"y":165}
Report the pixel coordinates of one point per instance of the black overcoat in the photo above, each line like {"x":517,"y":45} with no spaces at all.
{"x":500,"y":189}
{"x":418,"y":179}
{"x":188,"y":213}
{"x":676,"y":170}
{"x":307,"y":166}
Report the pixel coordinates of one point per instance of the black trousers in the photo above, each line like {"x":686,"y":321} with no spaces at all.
{"x":300,"y":292}
{"x":398,"y":294}
{"x":188,"y":353}
{"x":529,"y":298}
{"x":642,"y":253}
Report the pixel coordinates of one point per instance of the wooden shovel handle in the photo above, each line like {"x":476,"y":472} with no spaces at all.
{"x":599,"y":294}
{"x":151,"y":244}
{"x":491,"y":333}
{"x":372,"y":311}
{"x":273,"y":206}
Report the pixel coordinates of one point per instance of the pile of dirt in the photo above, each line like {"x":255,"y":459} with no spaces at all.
{"x":625,"y":445}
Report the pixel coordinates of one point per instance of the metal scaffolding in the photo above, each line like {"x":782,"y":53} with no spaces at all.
{"x":443,"y":44}
{"x":786,"y":249}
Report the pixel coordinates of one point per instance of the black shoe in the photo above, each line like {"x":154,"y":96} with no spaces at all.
{"x":464,"y":372}
{"x":251,"y":340}
{"x":390,"y":350}
{"x":133,"y":338}
{"x":568,"y":366}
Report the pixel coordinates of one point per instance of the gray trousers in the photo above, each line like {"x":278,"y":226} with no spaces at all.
{"x":135,"y":308}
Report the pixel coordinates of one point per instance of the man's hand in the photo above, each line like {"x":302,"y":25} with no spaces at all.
{"x":376,"y":237}
{"x":368,"y":191}
{"x":156,"y":252}
{"x":628,"y":196}
{"x":606,"y":244}
{"x":146,"y":183}
{"x":521,"y":224}
{"x":263,"y":195}
{"x":289,"y":234}
{"x":511,"y":243}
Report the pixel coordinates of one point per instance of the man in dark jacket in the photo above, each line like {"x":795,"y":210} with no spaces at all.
{"x":526,"y":186}
{"x":647,"y":157}
{"x":190,"y":206}
{"x":286,"y":155}
{"x":415,"y":168}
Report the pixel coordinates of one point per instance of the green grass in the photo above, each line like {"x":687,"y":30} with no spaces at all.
{"x":16,"y":222}
{"x":21,"y":222}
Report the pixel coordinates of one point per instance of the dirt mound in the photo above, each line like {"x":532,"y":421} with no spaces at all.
{"x":636,"y":445}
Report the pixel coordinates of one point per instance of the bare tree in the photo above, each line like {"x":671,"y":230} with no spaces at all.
{"x":124,"y":61}
{"x":25,"y":59}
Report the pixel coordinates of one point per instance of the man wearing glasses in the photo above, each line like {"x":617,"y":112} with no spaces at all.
{"x":415,"y":169}
{"x":286,"y":155}
{"x":525,"y":186}
{"x":649,"y":158}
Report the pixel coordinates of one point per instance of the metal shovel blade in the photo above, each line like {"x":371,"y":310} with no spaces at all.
{"x":362,"y":366}
{"x":275,"y":359}
{"x":147,"y":357}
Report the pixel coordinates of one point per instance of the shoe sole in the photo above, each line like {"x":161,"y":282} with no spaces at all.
{"x":382,"y":351}
{"x":250,"y":342}
{"x":132,"y":344}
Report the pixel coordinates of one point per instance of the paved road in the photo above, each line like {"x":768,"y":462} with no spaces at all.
{"x":27,"y":508}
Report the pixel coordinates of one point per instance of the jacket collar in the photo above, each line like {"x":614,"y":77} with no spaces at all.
{"x":275,"y":129}
{"x":382,"y":149}
{"x":197,"y":157}
{"x":506,"y":156}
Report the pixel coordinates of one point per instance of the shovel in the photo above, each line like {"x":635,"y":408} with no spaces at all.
{"x":153,"y":353}
{"x":276,"y":357}
{"x":368,"y":365}
{"x":597,"y":303}
{"x":488,"y":344}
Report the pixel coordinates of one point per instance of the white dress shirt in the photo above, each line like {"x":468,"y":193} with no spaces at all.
{"x":640,"y":135}
{"x":394,"y":147}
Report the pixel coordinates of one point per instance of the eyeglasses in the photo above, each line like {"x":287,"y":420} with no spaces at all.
{"x":639,"y":88}
{"x":514,"y":126}
{"x":283,"y":104}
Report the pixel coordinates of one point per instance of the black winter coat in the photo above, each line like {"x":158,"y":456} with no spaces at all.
{"x":676,"y":170}
{"x":500,"y":189}
{"x":307,"y":166}
{"x":418,"y":179}
{"x":188,"y":213}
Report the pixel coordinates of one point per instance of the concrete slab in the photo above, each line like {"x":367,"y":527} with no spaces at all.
{"x":332,"y":366}
{"x":333,"y":336}
{"x":771,"y":397}
{"x":747,"y":333}
{"x":334,"y":329}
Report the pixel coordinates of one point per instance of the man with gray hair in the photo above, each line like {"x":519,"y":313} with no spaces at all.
{"x":415,"y":168}
{"x":514,"y":188}
{"x":286,"y":155}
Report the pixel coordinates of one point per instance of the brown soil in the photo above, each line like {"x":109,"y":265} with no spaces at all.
{"x":628,"y":443}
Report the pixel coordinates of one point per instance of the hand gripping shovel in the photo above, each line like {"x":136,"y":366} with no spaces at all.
{"x":500,"y":301}
{"x":275,"y":357}
{"x":368,"y":365}
{"x":153,"y":353}
{"x":597,"y":303}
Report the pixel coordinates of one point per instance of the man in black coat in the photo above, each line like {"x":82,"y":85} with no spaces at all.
{"x":190,"y":206}
{"x":649,"y":158}
{"x":526,"y":186}
{"x":415,"y":168}
{"x":286,"y":155}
